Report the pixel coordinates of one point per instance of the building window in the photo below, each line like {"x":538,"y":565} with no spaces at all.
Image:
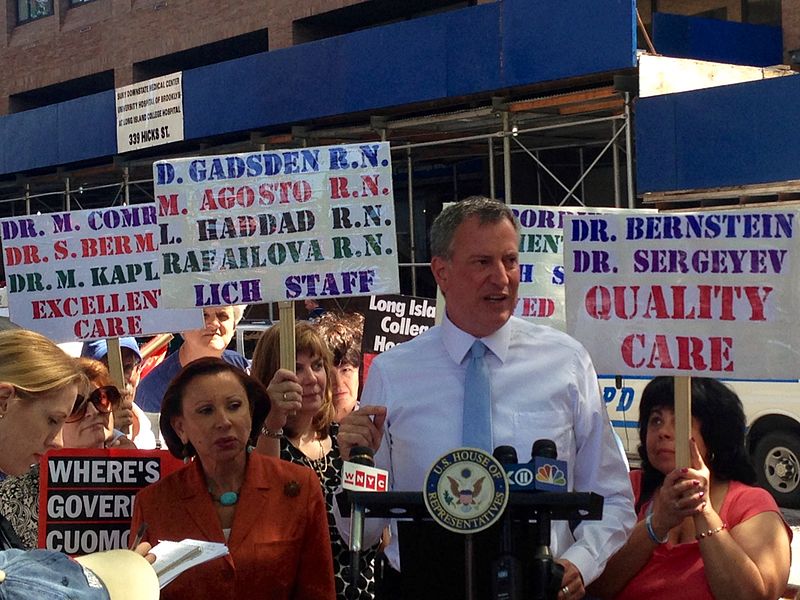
{"x":762,"y":12}
{"x":28,"y":10}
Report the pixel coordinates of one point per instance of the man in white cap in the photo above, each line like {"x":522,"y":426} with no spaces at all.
{"x":129,"y":418}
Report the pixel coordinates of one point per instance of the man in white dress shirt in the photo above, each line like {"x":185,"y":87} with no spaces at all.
{"x":543,"y":385}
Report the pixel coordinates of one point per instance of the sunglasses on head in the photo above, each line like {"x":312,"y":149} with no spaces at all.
{"x":103,"y":399}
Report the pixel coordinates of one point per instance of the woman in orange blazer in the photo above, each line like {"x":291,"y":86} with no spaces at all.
{"x":270,"y":513}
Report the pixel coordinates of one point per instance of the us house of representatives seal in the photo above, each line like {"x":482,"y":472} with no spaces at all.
{"x":466,"y":490}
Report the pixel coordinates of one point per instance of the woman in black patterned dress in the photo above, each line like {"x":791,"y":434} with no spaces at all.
{"x":300,"y":429}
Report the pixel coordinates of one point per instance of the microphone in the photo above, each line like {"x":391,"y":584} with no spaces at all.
{"x":550,"y":473}
{"x":360,"y":456}
{"x":545,"y":448}
{"x":544,"y":472}
{"x":550,"y":476}
{"x":507,"y":578}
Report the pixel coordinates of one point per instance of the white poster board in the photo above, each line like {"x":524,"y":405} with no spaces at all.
{"x":708,"y":294}
{"x":277,"y":225}
{"x":150,"y":113}
{"x":541,"y":260}
{"x":88,"y":274}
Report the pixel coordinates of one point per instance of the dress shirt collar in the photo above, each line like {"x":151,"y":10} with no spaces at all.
{"x":458,"y":342}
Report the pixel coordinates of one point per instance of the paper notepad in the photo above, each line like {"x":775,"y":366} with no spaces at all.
{"x":173,"y":558}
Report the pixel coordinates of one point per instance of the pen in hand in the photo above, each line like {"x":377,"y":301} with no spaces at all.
{"x":139,"y":535}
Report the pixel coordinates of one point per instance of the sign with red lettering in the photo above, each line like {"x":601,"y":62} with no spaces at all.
{"x":277,"y":225}
{"x":88,"y":274}
{"x":86,"y":496}
{"x":363,"y":478}
{"x":541,"y":260}
{"x":709,"y":294}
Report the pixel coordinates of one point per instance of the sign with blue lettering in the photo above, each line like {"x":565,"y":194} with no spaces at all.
{"x":277,"y":225}
{"x":541,"y":261}
{"x":709,"y":293}
{"x":88,"y":274}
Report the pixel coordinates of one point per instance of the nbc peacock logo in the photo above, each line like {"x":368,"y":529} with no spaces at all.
{"x":551,"y":475}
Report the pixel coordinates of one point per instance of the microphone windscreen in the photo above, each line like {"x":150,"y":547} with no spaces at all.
{"x":505,"y":455}
{"x":545,"y":449}
{"x":362,"y":455}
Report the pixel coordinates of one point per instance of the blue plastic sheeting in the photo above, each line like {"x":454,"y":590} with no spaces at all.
{"x":70,"y":131}
{"x":731,"y":135}
{"x":459,"y":53}
{"x":718,"y":41}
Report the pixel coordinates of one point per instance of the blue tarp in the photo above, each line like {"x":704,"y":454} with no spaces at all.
{"x":459,"y":53}
{"x":739,"y":134}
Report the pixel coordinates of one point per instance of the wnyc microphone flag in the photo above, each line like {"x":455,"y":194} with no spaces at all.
{"x":362,"y":478}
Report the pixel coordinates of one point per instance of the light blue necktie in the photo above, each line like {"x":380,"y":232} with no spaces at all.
{"x":477,"y":428}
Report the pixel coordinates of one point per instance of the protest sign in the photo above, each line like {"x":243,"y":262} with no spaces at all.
{"x":88,"y":274}
{"x":709,"y":293}
{"x":277,"y":225}
{"x":391,"y":320}
{"x":86,"y":496}
{"x":541,"y":260}
{"x":149,"y":113}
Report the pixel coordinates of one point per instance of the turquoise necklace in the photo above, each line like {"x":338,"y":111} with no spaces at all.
{"x":226,"y":499}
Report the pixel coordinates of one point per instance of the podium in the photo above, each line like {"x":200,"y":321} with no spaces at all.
{"x":444,"y":565}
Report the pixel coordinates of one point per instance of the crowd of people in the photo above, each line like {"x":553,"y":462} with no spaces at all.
{"x":264,"y":445}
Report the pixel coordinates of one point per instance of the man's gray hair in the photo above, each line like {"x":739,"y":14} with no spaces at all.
{"x":444,"y":226}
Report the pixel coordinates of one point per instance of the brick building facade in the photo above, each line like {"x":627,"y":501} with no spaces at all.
{"x":88,"y":46}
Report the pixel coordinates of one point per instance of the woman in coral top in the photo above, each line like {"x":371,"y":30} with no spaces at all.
{"x":703,"y":532}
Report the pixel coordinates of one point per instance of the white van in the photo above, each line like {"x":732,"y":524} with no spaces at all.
{"x":772,"y":409}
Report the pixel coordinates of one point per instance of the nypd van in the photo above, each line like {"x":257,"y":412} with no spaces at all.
{"x":772,"y":409}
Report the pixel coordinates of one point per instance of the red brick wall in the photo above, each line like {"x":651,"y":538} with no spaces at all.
{"x":791,"y":26}
{"x":113,"y":34}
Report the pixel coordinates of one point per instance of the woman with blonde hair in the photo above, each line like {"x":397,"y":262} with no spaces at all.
{"x":40,"y":387}
{"x":300,"y":429}
{"x":91,"y":425}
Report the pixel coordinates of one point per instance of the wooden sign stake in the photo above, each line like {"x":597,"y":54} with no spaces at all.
{"x":286,"y":326}
{"x":115,"y":369}
{"x":683,"y":420}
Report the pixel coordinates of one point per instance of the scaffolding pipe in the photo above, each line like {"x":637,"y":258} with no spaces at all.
{"x":629,"y":149}
{"x":492,"y":191}
{"x":585,"y":173}
{"x":549,"y":172}
{"x":411,"y":236}
{"x":615,"y":156}
{"x":538,"y":180}
{"x":125,"y":182}
{"x":470,"y":138}
{"x":506,"y":160}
